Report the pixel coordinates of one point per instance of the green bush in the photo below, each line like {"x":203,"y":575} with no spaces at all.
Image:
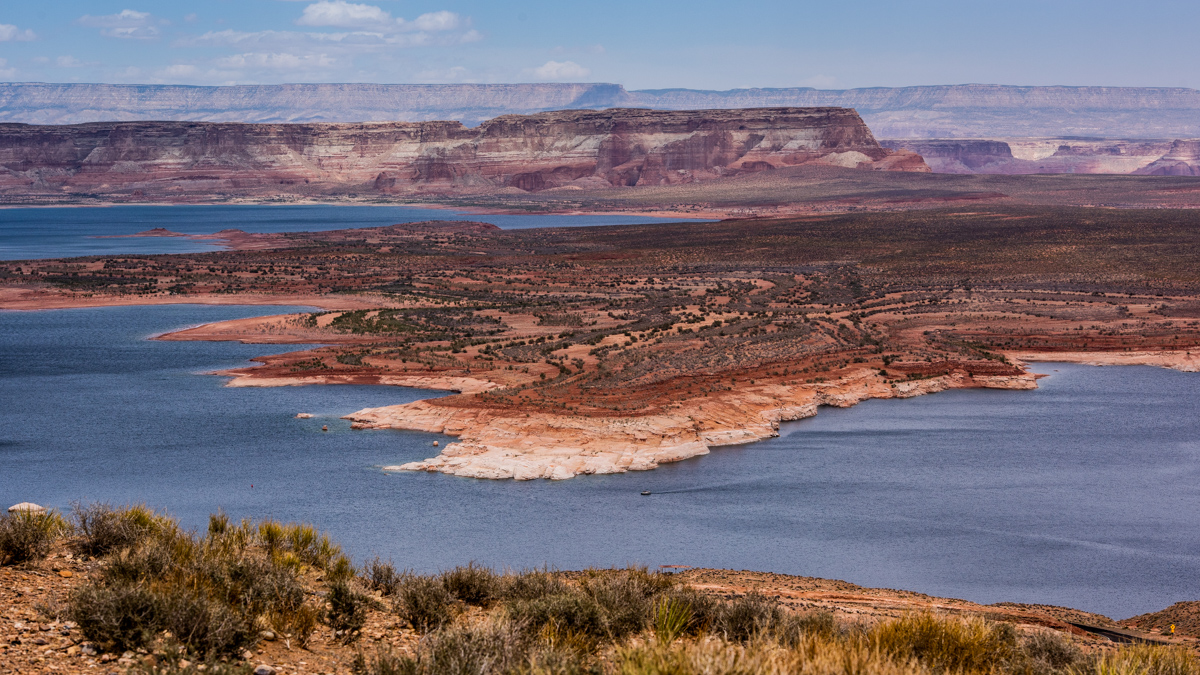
{"x":471,"y":584}
{"x":425,"y":603}
{"x":26,"y":537}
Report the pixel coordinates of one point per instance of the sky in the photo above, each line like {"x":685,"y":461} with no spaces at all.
{"x":699,"y":44}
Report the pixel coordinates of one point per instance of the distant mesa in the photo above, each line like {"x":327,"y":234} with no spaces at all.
{"x":940,"y":111}
{"x":1056,"y":155}
{"x":585,"y":149}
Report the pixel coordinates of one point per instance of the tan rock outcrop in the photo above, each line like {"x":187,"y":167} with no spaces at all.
{"x":526,"y":445}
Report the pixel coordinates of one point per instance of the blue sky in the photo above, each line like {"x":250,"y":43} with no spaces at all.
{"x":647,"y":44}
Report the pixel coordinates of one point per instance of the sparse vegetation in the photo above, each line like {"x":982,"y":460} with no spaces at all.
{"x":194,"y":603}
{"x":26,"y":536}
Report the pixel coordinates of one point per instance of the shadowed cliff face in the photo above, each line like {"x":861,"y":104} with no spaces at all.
{"x":565,"y":150}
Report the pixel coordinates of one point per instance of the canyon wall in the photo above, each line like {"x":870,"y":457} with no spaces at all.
{"x":559,"y":150}
{"x":948,"y":111}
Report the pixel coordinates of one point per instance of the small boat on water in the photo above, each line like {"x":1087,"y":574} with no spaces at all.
{"x":645,"y":493}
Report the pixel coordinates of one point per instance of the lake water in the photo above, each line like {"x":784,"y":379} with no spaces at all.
{"x":1083,"y":493}
{"x":27,"y":233}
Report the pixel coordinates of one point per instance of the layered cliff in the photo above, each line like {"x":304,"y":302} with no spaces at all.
{"x":948,"y":111}
{"x":1055,"y":155}
{"x":566,"y":149}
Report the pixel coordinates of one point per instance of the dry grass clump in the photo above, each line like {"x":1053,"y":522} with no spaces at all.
{"x":26,"y":537}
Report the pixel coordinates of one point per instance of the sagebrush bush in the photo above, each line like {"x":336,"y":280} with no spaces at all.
{"x":424,"y":602}
{"x":380,"y":576}
{"x":566,"y":614}
{"x":746,"y":617}
{"x":26,"y":537}
{"x":1048,"y":652}
{"x":102,"y":528}
{"x":117,"y":617}
{"x":530,"y":585}
{"x":471,"y":584}
{"x":347,"y":613}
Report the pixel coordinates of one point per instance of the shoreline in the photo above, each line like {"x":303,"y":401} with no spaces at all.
{"x":527,"y":443}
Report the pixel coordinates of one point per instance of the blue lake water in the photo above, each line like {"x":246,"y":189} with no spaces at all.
{"x":27,"y":233}
{"x":1083,"y":493}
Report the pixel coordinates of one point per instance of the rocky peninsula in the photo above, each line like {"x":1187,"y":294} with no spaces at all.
{"x":609,"y":349}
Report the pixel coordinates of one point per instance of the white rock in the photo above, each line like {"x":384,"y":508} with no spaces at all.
{"x":26,"y":507}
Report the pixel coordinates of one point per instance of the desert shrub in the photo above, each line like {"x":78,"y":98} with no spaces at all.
{"x":304,"y":543}
{"x":203,"y":625}
{"x":117,"y":617}
{"x":1049,"y":652}
{"x":794,"y":629}
{"x":380,"y":576}
{"x":625,"y":597}
{"x":424,"y":602}
{"x":746,"y":617}
{"x":1145,"y":660}
{"x":347,"y":613}
{"x":298,"y":623}
{"x":530,"y":585}
{"x":102,"y":528}
{"x":569,"y":616}
{"x":486,"y":649}
{"x":26,"y":537}
{"x":947,"y":644}
{"x":719,"y":657}
{"x":471,"y":584}
{"x":209,"y":592}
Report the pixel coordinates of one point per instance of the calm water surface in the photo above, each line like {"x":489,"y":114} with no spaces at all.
{"x":1082,"y":493}
{"x":27,"y":233}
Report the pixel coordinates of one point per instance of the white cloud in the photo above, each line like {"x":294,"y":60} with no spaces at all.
{"x":276,"y":61}
{"x":68,"y":62}
{"x":438,"y":21}
{"x":342,"y":14}
{"x":180,"y":70}
{"x":6,"y":72}
{"x":9,"y":33}
{"x":560,"y":70}
{"x":128,"y":24}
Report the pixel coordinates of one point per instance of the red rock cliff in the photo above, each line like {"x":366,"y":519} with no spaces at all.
{"x":576,"y":148}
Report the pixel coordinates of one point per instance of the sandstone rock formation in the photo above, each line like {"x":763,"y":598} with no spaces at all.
{"x":1056,"y":155}
{"x":510,"y":444}
{"x":1183,"y":159}
{"x":620,"y":147}
{"x":948,"y":111}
